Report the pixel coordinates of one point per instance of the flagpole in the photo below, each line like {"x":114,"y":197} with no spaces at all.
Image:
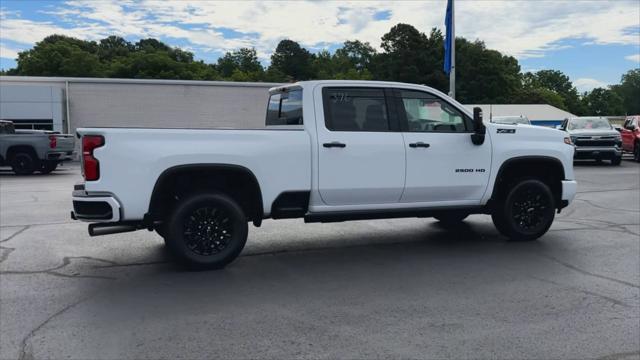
{"x":452,"y":44}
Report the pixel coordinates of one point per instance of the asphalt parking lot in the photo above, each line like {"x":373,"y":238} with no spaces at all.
{"x":405,"y":288}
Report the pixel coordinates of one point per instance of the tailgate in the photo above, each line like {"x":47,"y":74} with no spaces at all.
{"x":65,"y":142}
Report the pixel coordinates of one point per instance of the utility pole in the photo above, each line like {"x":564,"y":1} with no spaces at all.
{"x":450,"y":47}
{"x":452,"y":74}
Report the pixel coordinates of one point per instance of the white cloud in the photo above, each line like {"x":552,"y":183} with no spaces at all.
{"x":635,"y":58}
{"x":7,"y":53}
{"x":519,"y":28}
{"x":587,"y":84}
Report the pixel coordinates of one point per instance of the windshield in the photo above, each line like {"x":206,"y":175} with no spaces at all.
{"x":510,"y":120}
{"x":588,"y":123}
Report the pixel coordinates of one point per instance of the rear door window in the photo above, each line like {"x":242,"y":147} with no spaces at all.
{"x":355,"y":109}
{"x":285,"y":108}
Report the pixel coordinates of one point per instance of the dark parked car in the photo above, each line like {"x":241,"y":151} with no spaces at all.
{"x":594,"y":138}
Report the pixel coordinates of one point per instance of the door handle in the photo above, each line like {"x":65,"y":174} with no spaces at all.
{"x":334,"y":144}
{"x":419,"y":144}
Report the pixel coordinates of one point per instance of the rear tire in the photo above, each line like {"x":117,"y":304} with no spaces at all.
{"x":526,"y":210}
{"x":207,"y":231}
{"x":23,"y":163}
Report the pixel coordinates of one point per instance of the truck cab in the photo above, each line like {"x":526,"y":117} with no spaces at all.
{"x":331,"y":151}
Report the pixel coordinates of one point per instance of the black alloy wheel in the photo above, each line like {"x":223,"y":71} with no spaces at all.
{"x":206,"y":230}
{"x":526,"y":211}
{"x":529,"y":208}
{"x":23,"y":164}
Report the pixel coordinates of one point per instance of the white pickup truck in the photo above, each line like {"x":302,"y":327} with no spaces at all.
{"x":331,"y":151}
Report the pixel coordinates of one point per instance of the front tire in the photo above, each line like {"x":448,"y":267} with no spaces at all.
{"x":526,"y":210}
{"x":23,"y":163}
{"x":207,"y":230}
{"x":636,"y":152}
{"x":616,"y":160}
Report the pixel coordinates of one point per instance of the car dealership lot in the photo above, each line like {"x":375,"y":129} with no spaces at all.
{"x":384,"y":288}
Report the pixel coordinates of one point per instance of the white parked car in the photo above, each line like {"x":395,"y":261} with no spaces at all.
{"x":332,"y":151}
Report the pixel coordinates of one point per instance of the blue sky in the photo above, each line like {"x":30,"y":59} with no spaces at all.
{"x":592,"y":41}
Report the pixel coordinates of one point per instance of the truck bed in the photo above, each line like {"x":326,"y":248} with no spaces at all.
{"x":279,"y":159}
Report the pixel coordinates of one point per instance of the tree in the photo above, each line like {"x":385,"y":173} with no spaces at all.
{"x":485,"y":76}
{"x":408,"y":55}
{"x":59,"y":55}
{"x":245,"y":61}
{"x":113,"y":46}
{"x":603,"y":102}
{"x":559,"y":83}
{"x":151,"y":45}
{"x":539,"y":95}
{"x":359,"y":55}
{"x":292,"y":60}
{"x":404,"y":56}
{"x":324,"y":65}
{"x":629,"y":91}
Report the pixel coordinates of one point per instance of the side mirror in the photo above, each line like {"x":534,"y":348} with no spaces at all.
{"x":479,"y":130}
{"x":559,"y":127}
{"x":618,"y":128}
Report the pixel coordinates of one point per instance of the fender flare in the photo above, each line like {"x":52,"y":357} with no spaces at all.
{"x":169,"y":172}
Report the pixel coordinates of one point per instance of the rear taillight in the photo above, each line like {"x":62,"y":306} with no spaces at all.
{"x":90,"y":165}
{"x":53,"y":141}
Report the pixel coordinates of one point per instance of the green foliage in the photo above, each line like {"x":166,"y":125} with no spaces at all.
{"x":355,"y":55}
{"x":408,"y":55}
{"x":59,"y":55}
{"x":539,"y":95}
{"x":243,"y":61}
{"x":292,"y":60}
{"x":629,"y":91}
{"x":351,"y":62}
{"x":485,"y":76}
{"x":113,"y":47}
{"x":559,"y":83}
{"x":603,"y":102}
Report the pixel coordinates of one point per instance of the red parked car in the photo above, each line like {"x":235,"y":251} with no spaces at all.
{"x":631,"y":136}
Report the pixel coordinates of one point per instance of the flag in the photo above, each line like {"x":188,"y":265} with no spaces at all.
{"x":448,"y":41}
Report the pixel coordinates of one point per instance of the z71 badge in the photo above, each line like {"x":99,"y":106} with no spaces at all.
{"x":506,"y":131}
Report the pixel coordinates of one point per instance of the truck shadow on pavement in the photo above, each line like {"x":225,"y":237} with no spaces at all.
{"x":432,"y":239}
